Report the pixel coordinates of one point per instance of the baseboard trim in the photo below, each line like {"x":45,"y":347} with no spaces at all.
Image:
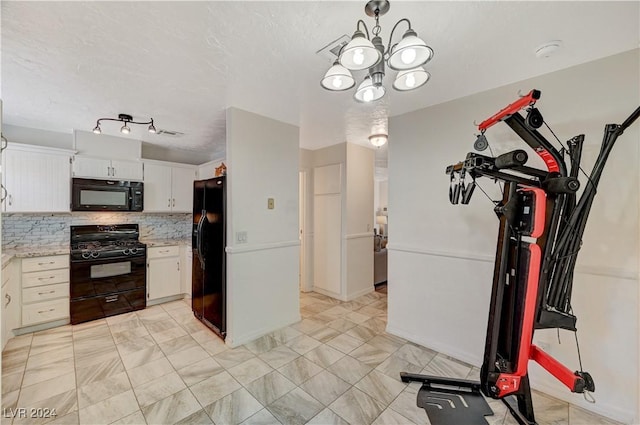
{"x":233,"y":341}
{"x":165,"y":300}
{"x":353,"y":296}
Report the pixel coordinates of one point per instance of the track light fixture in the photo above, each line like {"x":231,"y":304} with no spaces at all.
{"x":364,"y":52}
{"x":126,"y":119}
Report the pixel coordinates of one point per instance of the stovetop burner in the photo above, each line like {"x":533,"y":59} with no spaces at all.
{"x":99,"y":242}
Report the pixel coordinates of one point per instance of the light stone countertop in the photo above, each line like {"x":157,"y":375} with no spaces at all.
{"x":166,"y":242}
{"x":33,"y":251}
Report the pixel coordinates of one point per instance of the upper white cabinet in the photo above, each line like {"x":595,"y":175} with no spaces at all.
{"x":168,"y":188}
{"x":100,"y":168}
{"x":36,"y":179}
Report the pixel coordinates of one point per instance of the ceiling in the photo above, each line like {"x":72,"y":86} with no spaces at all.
{"x":66,"y":64}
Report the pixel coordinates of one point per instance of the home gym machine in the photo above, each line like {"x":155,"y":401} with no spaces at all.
{"x":542,"y":221}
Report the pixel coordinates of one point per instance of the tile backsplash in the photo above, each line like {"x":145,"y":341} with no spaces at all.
{"x":24,"y":230}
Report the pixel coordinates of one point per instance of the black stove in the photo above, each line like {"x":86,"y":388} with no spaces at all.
{"x":108,"y":271}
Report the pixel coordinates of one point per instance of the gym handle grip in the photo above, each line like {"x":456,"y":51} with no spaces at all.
{"x":561,"y":185}
{"x":511,"y":159}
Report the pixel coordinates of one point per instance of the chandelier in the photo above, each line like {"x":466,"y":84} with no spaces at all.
{"x":363,"y":52}
{"x":126,"y":119}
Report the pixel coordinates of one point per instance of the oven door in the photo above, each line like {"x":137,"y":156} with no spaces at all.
{"x":103,"y":288}
{"x":100,"y":195}
{"x":108,"y":276}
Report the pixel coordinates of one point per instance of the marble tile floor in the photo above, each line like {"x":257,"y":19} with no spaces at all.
{"x":161,"y":366}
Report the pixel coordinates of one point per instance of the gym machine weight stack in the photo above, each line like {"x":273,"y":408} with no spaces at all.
{"x":540,"y":233}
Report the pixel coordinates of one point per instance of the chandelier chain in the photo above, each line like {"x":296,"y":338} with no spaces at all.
{"x":376,"y":30}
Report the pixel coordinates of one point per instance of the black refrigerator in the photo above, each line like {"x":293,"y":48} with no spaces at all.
{"x":208,"y":290}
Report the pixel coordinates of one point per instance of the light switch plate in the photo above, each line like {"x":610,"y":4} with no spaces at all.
{"x":241,"y":237}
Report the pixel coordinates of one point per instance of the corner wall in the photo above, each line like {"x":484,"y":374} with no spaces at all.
{"x":441,"y":256}
{"x":262,"y":274}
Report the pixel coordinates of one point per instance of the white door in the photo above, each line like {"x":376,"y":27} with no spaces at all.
{"x":163,"y":279}
{"x":126,"y":170}
{"x":92,"y":168}
{"x":182,"y":189}
{"x":157,"y":188}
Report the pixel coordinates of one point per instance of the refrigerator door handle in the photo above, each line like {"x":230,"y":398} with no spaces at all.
{"x":199,"y":241}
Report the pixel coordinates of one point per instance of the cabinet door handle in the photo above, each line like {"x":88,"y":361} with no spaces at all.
{"x":50,"y":262}
{"x":111,"y":298}
{"x":169,"y":205}
{"x":174,"y":202}
{"x":178,"y":265}
{"x":10,"y":200}
{"x":4,"y":143}
{"x":48,"y":292}
{"x":46,"y":278}
{"x":4,"y":193}
{"x":8,"y":297}
{"x":162,"y":251}
{"x":113,"y":171}
{"x":46,"y":311}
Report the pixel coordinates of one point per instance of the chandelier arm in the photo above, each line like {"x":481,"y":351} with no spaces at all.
{"x":360,"y":21}
{"x":394,"y":28}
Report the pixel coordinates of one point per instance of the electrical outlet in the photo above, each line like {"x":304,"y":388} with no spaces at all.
{"x":271,"y":203}
{"x":241,"y":237}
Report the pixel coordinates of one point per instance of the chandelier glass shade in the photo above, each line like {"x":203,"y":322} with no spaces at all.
{"x":365,"y":52}
{"x":338,"y":78}
{"x":126,"y":119}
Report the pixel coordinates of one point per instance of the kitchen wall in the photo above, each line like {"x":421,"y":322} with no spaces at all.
{"x":28,"y":230}
{"x":441,"y":255}
{"x":263,"y":270}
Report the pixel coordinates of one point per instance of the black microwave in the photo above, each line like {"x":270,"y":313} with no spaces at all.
{"x":106,"y":195}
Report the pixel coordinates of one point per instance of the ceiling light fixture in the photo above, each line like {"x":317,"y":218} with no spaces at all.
{"x":378,"y":140}
{"x":363,"y":52}
{"x":126,"y":119}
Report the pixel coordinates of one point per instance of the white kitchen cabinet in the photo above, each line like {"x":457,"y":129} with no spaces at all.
{"x":101,"y":168}
{"x":163,"y":273}
{"x":187,"y":264}
{"x":10,"y":301}
{"x":36,"y":179}
{"x":45,"y":289}
{"x":168,"y":188}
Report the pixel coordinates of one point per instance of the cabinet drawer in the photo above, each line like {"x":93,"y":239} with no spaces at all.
{"x":163,"y":251}
{"x":46,"y":277}
{"x":44,"y":293}
{"x":45,"y":263}
{"x":47,"y":311}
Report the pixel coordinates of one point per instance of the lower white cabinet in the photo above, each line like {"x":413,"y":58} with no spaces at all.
{"x":187,"y":264}
{"x":163,"y":272}
{"x":45,"y":289}
{"x":10,"y":301}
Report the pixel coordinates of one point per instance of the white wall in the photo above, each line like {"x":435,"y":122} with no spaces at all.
{"x":441,"y":256}
{"x":262,"y":274}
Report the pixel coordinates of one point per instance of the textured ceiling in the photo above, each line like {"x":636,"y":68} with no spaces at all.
{"x":65,"y":64}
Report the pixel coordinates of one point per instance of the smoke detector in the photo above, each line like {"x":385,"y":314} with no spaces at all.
{"x":548,"y":49}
